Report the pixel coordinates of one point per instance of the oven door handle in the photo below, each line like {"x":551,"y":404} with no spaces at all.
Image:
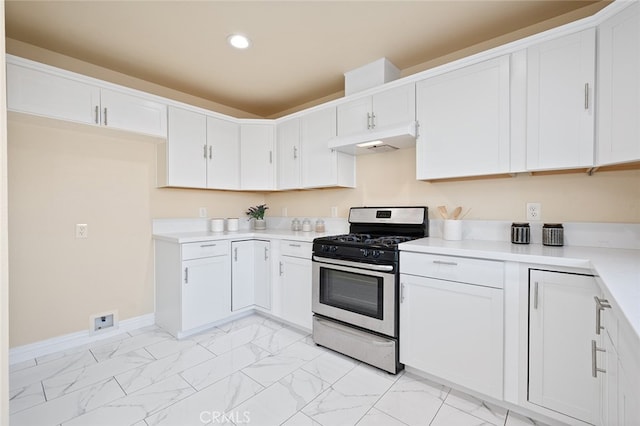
{"x":369,"y":266}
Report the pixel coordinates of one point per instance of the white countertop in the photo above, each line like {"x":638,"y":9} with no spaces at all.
{"x":618,"y":269}
{"x":278,"y":234}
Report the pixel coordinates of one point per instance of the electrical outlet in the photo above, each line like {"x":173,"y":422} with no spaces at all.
{"x":534,"y":211}
{"x":82,"y":230}
{"x":203,"y":212}
{"x":285,"y":212}
{"x":334,"y":211}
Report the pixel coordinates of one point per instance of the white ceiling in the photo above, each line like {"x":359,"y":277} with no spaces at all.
{"x":300,"y":48}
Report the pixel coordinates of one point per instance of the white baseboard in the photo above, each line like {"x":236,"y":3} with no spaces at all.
{"x":68,"y":341}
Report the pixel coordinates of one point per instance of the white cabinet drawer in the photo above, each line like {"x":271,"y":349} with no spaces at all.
{"x":488,"y":273}
{"x":295,"y":249}
{"x":204,"y":249}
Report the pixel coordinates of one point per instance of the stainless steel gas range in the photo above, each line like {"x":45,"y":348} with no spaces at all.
{"x":355,"y":294}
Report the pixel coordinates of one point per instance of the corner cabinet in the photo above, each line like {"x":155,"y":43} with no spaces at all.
{"x":464,"y":122}
{"x":193,"y":285}
{"x":619,"y":87}
{"x":50,"y":92}
{"x":560,"y":102}
{"x":257,"y":168}
{"x":564,"y":349}
{"x":250,"y":274}
{"x":451,"y":319}
{"x":289,"y":153}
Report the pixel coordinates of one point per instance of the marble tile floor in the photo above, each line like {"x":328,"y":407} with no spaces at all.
{"x":252,"y":371}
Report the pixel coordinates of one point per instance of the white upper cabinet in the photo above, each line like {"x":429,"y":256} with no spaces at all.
{"x":321,"y":166}
{"x":186,"y":155}
{"x":463,"y":118}
{"x":223,"y":154}
{"x":288,"y":137}
{"x":619,"y":88}
{"x":257,"y":157}
{"x":52,"y":94}
{"x":560,"y":102}
{"x":389,"y":108}
{"x":40,"y":93}
{"x":133,"y":113}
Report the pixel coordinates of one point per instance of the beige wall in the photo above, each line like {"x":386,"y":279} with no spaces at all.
{"x":389,"y":179}
{"x":62,"y":175}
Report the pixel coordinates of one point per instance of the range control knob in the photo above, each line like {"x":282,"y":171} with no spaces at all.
{"x":333,"y":249}
{"x":365,"y":252}
{"x":375,"y":253}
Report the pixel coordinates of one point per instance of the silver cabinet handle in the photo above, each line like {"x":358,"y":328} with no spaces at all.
{"x":280,"y":269}
{"x":368,"y":121}
{"x":186,"y":275}
{"x":270,"y":157}
{"x":204,"y":151}
{"x":443,"y":262}
{"x":210,"y":152}
{"x":401,"y":292}
{"x":235,"y":254}
{"x":373,"y":120}
{"x":266,"y":253}
{"x":601,"y":305}
{"x":594,"y":360}
{"x":105,"y":116}
{"x":295,"y":245}
{"x":535,"y":296}
{"x":97,"y":114}
{"x":207,"y":245}
{"x":295,"y":152}
{"x":586,"y":96}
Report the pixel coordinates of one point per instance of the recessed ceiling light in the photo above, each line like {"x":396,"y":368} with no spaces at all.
{"x":238,"y":41}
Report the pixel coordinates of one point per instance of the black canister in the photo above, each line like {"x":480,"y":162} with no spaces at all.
{"x":552,"y":234}
{"x":520,"y":233}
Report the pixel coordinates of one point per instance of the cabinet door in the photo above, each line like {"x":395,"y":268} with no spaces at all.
{"x":186,"y":149}
{"x":464,"y":122}
{"x":561,"y":329}
{"x":560,"y":107}
{"x":288,"y":136}
{"x":295,"y":287}
{"x":262,"y":273}
{"x":256,"y":157}
{"x":394,"y":107}
{"x":242,"y":274}
{"x":321,"y":166}
{"x":127,"y":112}
{"x":453,"y":331}
{"x":223,"y":154}
{"x":354,"y":116}
{"x":39,"y":93}
{"x":619,"y":87}
{"x":206,"y":291}
{"x":609,"y":383}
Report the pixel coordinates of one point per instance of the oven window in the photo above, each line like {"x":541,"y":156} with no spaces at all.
{"x":351,"y":291}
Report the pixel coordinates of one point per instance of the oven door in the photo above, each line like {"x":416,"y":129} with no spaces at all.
{"x":356,"y":293}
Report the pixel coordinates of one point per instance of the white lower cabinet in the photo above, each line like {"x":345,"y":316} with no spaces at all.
{"x":561,"y":335}
{"x":250,"y":274}
{"x":453,"y":330}
{"x":193,"y":285}
{"x":295,"y":274}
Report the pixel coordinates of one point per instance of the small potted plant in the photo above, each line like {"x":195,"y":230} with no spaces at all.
{"x":257,"y":214}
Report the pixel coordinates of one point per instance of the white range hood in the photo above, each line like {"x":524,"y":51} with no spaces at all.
{"x":383,"y":140}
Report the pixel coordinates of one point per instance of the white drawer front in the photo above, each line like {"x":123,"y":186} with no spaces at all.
{"x":296,"y":248}
{"x":204,"y":249}
{"x":488,"y":273}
